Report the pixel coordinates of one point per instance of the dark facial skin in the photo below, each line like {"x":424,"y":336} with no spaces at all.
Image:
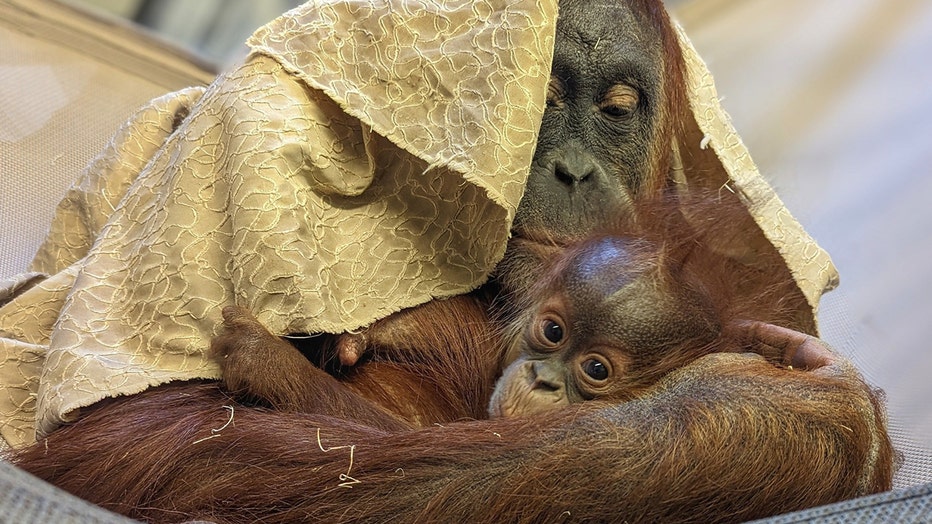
{"x":610,"y":323}
{"x":603,"y":111}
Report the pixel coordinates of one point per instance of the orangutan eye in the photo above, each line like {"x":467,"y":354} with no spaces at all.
{"x":556,"y":93}
{"x":552,"y":331}
{"x":619,"y":101}
{"x":595,"y":369}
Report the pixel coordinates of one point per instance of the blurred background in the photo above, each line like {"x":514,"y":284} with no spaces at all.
{"x":212,"y":29}
{"x":832,"y":97}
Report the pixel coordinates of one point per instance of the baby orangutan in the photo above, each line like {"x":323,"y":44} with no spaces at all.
{"x":615,"y":314}
{"x":610,"y":317}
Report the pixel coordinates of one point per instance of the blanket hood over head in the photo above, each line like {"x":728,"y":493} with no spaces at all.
{"x":362,"y":159}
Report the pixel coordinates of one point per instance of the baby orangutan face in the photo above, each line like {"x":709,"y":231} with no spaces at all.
{"x":610,"y":319}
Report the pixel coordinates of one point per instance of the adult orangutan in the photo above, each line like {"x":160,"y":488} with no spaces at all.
{"x":725,"y":438}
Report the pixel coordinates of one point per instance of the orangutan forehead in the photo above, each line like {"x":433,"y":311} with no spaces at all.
{"x":603,"y":267}
{"x":603,"y":14}
{"x":605,"y":28}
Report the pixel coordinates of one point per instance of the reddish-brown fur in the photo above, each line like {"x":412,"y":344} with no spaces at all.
{"x":430,"y":364}
{"x":701,"y":313}
{"x":697,"y":451}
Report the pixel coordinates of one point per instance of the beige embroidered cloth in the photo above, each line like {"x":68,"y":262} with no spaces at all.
{"x":364,"y":158}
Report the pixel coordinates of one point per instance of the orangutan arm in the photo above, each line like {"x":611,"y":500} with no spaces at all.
{"x":259,"y":367}
{"x":727,"y":438}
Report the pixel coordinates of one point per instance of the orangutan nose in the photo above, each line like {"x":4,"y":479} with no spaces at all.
{"x":574,"y":169}
{"x":544,"y":378}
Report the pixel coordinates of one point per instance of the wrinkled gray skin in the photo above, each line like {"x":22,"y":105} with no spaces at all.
{"x":605,"y":94}
{"x":593,"y":158}
{"x":613,"y":314}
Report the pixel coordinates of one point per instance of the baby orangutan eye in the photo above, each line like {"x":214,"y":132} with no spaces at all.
{"x":595,"y":369}
{"x":552,"y":331}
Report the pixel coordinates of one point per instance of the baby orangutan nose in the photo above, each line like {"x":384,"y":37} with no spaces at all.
{"x":533,"y":386}
{"x":544,"y":379}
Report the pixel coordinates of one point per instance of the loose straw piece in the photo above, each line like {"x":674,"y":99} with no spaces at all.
{"x":346,"y":481}
{"x":216,"y":431}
